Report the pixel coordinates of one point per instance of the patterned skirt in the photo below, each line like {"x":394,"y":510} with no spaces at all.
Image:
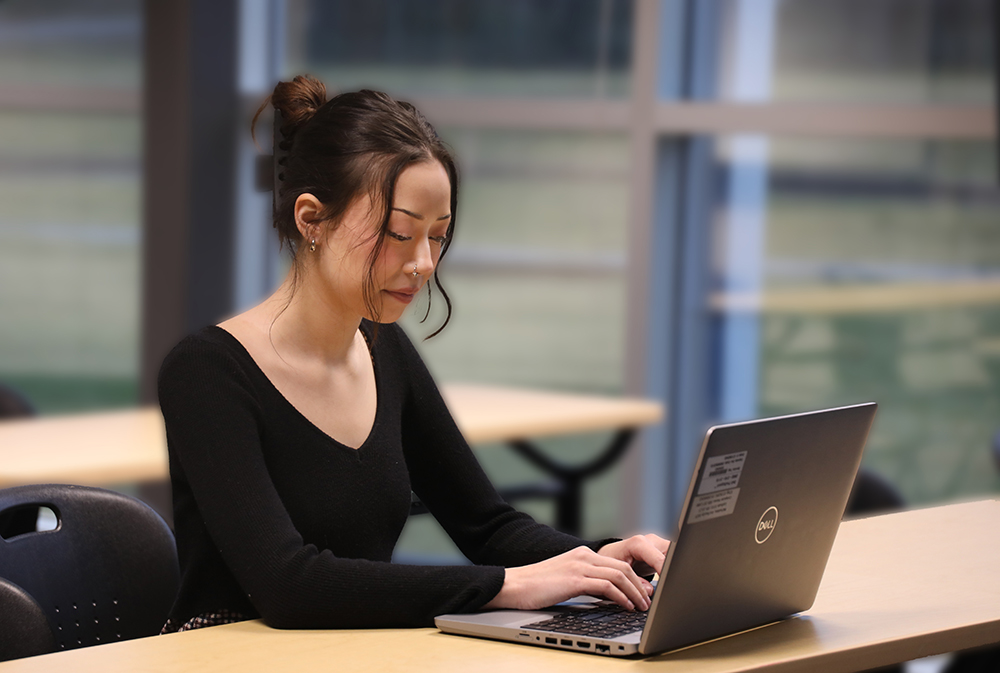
{"x":204,"y":620}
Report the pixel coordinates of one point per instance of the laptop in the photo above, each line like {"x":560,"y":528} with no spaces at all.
{"x":761,"y":514}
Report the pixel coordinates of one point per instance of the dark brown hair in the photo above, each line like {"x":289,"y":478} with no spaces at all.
{"x":338,"y":149}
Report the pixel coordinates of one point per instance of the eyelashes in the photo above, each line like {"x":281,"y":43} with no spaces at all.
{"x":440,"y":240}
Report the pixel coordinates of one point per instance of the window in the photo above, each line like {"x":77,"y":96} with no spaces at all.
{"x":70,"y":138}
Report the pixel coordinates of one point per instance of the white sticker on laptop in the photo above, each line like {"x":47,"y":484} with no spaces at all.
{"x":713,"y":505}
{"x":722,"y":472}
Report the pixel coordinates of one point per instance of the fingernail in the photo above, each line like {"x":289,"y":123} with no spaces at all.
{"x":630,"y":605}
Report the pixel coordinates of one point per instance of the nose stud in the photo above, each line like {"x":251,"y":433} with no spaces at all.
{"x":414,"y":270}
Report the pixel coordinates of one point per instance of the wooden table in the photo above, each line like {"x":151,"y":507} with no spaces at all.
{"x":107,"y":448}
{"x":897,"y":587}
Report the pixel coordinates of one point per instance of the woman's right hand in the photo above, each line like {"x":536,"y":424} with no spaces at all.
{"x":580,"y":571}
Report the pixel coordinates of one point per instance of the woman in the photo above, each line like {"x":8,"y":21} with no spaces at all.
{"x":297,"y":429}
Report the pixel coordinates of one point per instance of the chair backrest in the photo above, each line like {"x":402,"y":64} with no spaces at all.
{"x":13,"y":404}
{"x":24,"y":629}
{"x":106,"y":572}
{"x":873,"y":494}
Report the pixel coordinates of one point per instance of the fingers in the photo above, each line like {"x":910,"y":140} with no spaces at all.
{"x":607,"y":589}
{"x":646,"y":553}
{"x":622,"y":585}
{"x":650,"y":550}
{"x":582,"y":571}
{"x":619,"y":574}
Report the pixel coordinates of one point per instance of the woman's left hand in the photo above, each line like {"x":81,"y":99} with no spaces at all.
{"x":646,"y":553}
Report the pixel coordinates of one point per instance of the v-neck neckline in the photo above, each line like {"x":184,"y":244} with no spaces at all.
{"x":378,"y":389}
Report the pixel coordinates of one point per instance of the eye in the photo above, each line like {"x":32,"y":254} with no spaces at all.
{"x":440,"y":240}
{"x":398,"y":237}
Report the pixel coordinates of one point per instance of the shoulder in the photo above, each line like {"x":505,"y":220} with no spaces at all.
{"x":391,"y":346}
{"x":388,"y":339}
{"x":209,"y":351}
{"x":398,"y":360}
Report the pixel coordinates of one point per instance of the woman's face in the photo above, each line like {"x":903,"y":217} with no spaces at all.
{"x":418,"y":225}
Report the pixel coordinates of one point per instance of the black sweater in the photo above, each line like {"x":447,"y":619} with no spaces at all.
{"x":274,"y":518}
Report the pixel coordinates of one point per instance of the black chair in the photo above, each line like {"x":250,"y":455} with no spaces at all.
{"x":13,"y":404}
{"x":106,"y":572}
{"x":872,"y":494}
{"x":24,"y":629}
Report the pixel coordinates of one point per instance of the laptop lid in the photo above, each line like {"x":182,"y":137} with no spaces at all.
{"x":761,"y":515}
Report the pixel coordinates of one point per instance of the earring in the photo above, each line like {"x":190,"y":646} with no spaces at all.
{"x":312,"y":245}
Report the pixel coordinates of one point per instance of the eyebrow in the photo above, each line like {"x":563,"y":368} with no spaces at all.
{"x":420,"y":217}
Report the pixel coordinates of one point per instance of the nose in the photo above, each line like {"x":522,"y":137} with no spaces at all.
{"x":424,"y":258}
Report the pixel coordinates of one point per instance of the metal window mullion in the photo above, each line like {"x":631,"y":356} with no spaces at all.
{"x":687,"y":183}
{"x":257,"y":262}
{"x":646,"y":51}
{"x":190,"y":105}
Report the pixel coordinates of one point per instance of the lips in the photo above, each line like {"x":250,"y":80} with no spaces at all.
{"x":404,"y":295}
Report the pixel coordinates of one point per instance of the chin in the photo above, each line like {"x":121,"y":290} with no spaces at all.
{"x":386,"y":316}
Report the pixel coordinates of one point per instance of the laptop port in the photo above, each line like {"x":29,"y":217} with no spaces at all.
{"x":551,"y":641}
{"x":603,"y":648}
{"x":567,"y":642}
{"x":582,"y":644}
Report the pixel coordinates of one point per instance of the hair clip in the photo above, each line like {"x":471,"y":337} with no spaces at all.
{"x":268,"y":168}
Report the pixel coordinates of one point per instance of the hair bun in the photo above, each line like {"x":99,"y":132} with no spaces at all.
{"x":298,"y":101}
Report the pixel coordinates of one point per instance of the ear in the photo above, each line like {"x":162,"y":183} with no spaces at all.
{"x":308,"y":211}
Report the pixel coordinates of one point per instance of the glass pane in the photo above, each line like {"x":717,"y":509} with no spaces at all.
{"x":877,"y":277}
{"x":890,"y":51}
{"x":577,"y":48}
{"x":86,"y":43}
{"x":70,"y":202}
{"x":536,"y":270}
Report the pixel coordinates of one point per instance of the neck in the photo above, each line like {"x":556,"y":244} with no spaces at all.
{"x":310,"y":324}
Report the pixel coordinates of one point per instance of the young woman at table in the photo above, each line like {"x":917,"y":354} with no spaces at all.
{"x":298,"y":428}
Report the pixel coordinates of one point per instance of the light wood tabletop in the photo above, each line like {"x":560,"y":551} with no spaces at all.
{"x":99,"y":449}
{"x":94,"y":449}
{"x":897,"y":587}
{"x":488,"y":413}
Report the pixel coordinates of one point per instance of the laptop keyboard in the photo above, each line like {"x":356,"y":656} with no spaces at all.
{"x":605,"y":621}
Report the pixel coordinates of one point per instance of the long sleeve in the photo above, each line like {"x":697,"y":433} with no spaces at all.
{"x":231,"y":519}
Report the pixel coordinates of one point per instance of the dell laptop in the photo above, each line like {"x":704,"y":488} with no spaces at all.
{"x":760,"y":517}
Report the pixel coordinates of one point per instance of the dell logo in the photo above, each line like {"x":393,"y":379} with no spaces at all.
{"x":768,"y":520}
